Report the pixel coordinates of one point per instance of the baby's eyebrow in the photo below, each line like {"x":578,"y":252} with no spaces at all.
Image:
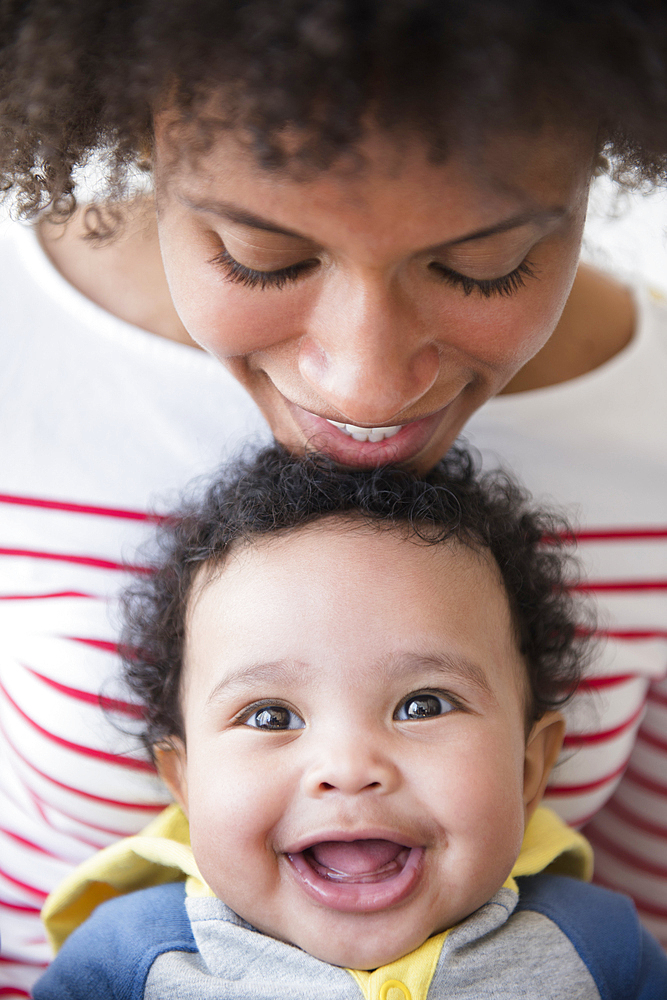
{"x":283,"y":672}
{"x":402,"y":667}
{"x":452,"y":666}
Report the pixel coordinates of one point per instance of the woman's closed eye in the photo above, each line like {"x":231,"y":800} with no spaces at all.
{"x":238,"y":273}
{"x":272,"y":718}
{"x":424,"y":705}
{"x":241,"y":274}
{"x":506,"y":284}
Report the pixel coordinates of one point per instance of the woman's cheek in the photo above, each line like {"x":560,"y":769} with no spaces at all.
{"x":229,"y":319}
{"x":505,"y":332}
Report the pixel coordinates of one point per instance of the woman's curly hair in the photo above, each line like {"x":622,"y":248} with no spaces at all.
{"x":277,"y":493}
{"x":78,"y":77}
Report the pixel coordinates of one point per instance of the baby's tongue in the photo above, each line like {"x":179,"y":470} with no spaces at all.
{"x":355,"y":857}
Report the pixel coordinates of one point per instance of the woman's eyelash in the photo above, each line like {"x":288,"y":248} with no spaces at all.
{"x":242,"y":275}
{"x":506,"y":285}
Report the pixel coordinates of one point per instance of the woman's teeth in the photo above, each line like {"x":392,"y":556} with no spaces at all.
{"x":366,"y":433}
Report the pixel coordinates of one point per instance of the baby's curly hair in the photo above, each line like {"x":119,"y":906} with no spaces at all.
{"x":278,"y":493}
{"x":78,"y":77}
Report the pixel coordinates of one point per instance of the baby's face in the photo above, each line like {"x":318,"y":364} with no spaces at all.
{"x":356,"y":776}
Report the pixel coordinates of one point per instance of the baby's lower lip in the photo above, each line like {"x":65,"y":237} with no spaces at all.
{"x":400,"y":447}
{"x":360,"y":892}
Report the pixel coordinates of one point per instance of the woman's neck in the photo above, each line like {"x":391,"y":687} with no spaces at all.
{"x":125,"y":275}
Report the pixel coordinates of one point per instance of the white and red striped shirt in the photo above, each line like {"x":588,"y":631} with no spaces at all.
{"x":103,"y":423}
{"x":597,"y":447}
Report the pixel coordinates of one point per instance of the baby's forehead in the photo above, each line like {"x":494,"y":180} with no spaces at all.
{"x":344,"y":590}
{"x":363,"y":546}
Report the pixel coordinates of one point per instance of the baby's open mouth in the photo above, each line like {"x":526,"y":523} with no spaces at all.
{"x":356,"y":875}
{"x":357,"y":860}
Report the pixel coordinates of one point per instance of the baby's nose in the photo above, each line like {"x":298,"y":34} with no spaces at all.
{"x":351,"y":769}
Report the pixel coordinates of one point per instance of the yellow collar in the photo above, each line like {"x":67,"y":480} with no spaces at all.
{"x":547,"y":843}
{"x":162,"y":853}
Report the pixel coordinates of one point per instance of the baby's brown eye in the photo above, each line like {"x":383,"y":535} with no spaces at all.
{"x":423,"y":706}
{"x":275,"y":717}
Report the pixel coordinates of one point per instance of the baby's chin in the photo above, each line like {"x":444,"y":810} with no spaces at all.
{"x":362,"y":941}
{"x":365,"y":947}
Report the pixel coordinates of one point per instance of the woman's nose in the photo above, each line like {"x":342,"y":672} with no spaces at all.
{"x":366,"y":351}
{"x":351,"y":767}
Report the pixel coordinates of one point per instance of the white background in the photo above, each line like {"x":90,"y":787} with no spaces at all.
{"x":626,"y":233}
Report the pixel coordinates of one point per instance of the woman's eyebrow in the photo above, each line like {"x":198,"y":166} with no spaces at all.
{"x":240,"y":217}
{"x":539,"y":217}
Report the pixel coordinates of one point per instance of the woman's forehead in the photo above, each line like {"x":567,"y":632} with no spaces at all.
{"x":519,"y":173}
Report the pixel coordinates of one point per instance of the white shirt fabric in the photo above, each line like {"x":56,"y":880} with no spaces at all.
{"x":103,"y":422}
{"x":596,"y":447}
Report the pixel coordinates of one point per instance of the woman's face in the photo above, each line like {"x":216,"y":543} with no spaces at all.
{"x":371,"y":309}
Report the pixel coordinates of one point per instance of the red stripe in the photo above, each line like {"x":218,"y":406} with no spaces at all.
{"x":108,"y":647}
{"x":657,"y":697}
{"x":617,"y":534}
{"x":554,"y":790}
{"x":631,"y":634}
{"x":111,"y":758}
{"x":11,"y":991}
{"x":144,"y":806}
{"x":100,"y":701}
{"x":581,"y":821}
{"x":19,"y":908}
{"x":23,"y":885}
{"x":77,"y":560}
{"x":635,"y":778}
{"x":577,"y":739}
{"x":595,"y":683}
{"x":653,"y":741}
{"x":29,"y":843}
{"x":77,"y":508}
{"x":38,"y":806}
{"x":37,"y":801}
{"x":632,"y":819}
{"x":602,"y":842}
{"x":119,"y":834}
{"x":42,"y":597}
{"x":602,"y":585}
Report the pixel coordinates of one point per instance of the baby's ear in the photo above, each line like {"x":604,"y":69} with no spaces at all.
{"x":171,"y":761}
{"x":542,"y":748}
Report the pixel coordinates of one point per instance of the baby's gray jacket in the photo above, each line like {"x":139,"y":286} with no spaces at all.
{"x":560,"y":939}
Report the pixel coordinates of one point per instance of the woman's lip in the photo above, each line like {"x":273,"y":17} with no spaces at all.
{"x":358,"y":897}
{"x":400,"y":448}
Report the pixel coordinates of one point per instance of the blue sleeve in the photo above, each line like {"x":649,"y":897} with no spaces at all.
{"x":625,"y":962}
{"x":110,"y":955}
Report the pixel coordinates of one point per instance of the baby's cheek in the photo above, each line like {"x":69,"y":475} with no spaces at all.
{"x":228,"y":830}
{"x":490,"y":798}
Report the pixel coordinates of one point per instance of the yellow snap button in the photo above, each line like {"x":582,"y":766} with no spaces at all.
{"x":394,"y":984}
